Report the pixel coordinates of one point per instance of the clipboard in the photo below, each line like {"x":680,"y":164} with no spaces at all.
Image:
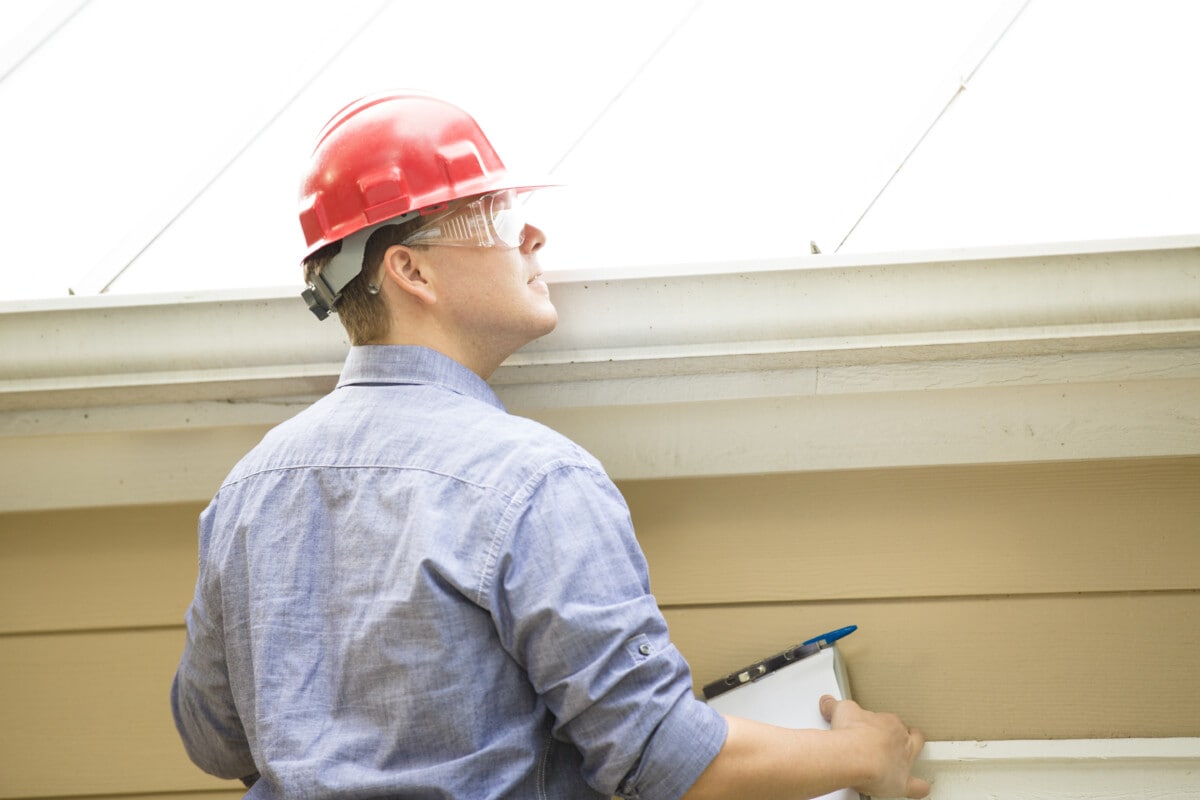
{"x":784,"y":690}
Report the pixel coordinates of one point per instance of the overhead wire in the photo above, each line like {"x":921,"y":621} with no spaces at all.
{"x":1003,"y":21}
{"x":612,"y":101}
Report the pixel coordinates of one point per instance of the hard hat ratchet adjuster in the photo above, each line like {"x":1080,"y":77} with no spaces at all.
{"x":326,"y":288}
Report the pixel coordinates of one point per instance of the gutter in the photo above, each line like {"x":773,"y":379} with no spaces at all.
{"x":694,"y":319}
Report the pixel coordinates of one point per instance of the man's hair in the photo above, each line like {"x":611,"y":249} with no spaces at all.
{"x":363,"y":314}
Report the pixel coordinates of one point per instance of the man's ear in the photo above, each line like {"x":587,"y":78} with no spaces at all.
{"x":404,"y":267}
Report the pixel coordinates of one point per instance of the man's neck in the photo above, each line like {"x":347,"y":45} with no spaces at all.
{"x":477,"y":360}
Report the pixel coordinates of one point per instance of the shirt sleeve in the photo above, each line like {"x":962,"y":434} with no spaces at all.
{"x":571,"y":597}
{"x":201,"y":699}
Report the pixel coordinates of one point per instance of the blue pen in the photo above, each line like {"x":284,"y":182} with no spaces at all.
{"x":826,"y":639}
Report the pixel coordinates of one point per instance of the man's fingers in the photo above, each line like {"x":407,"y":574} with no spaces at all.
{"x":890,"y":727}
{"x":917,"y":788}
{"x":917,"y":739}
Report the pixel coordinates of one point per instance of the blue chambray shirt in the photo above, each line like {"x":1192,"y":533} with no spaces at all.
{"x":404,"y":591}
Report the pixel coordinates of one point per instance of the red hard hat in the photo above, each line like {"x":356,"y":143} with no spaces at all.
{"x":389,"y":154}
{"x":388,"y":157}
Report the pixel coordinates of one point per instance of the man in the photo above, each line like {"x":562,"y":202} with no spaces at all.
{"x":405,"y":591}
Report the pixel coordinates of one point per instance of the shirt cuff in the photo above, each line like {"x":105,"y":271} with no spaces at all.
{"x":683,"y":746}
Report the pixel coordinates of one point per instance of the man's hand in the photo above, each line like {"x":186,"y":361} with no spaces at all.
{"x":873,"y":753}
{"x":893,"y":747}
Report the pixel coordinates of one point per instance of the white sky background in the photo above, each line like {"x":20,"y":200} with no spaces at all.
{"x":164,"y":140}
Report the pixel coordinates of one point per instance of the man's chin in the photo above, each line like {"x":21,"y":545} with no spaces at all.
{"x":550,"y":322}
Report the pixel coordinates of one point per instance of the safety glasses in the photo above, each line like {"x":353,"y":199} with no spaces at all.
{"x":492,"y":220}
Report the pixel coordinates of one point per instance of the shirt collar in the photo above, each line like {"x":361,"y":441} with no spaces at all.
{"x":411,"y":364}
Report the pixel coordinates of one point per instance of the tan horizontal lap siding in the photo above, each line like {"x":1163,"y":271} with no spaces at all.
{"x":1032,"y":667}
{"x":1130,"y":525}
{"x":1017,"y":601}
{"x":91,"y":715}
{"x":217,"y":794}
{"x":1049,"y":600}
{"x":92,"y":568}
{"x":91,"y":612}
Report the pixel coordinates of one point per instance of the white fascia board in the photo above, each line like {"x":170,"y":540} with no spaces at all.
{"x":1118,"y":769}
{"x":808,"y":364}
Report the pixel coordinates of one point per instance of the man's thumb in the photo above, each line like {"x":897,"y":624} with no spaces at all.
{"x":828,"y":703}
